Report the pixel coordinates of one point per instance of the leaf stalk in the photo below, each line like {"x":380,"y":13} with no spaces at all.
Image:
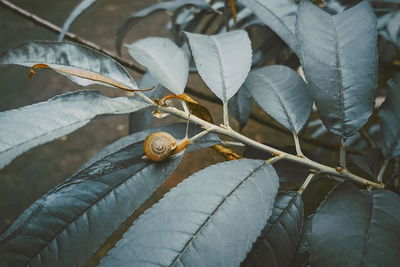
{"x":287,"y":156}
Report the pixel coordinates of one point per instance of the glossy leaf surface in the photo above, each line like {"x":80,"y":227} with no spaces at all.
{"x":290,"y":174}
{"x":339,"y":57}
{"x":79,"y":63}
{"x":30,"y":126}
{"x":302,"y":257}
{"x":280,"y":16}
{"x":276,"y":246}
{"x":171,"y":6}
{"x":370,"y":162}
{"x":355,"y":227}
{"x":210,"y":219}
{"x":177,"y":130}
{"x":282,"y":93}
{"x":223,"y":61}
{"x":240,"y":106}
{"x":69,"y":223}
{"x":389,"y":117}
{"x":166,"y":62}
{"x":78,"y":10}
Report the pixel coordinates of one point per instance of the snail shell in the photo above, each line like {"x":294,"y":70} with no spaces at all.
{"x":159,"y":146}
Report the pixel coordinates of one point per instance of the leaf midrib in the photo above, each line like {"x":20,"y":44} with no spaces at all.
{"x":205,"y":223}
{"x":283,"y":105}
{"x":278,"y":18}
{"x":63,"y":127}
{"x":340,"y":76}
{"x":84,"y":212}
{"x":364,"y":252}
{"x":224,"y":86}
{"x":264,"y":233}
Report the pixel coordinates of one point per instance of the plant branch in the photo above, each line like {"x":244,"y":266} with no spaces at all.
{"x":340,"y":172}
{"x":206,"y":125}
{"x":307,"y":182}
{"x":129,"y":64}
{"x":225,"y":114}
{"x":275,"y":159}
{"x":297,"y":145}
{"x":230,"y":143}
{"x":71,"y":36}
{"x":379,"y":178}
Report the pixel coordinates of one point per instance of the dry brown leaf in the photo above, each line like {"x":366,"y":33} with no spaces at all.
{"x":86,"y":75}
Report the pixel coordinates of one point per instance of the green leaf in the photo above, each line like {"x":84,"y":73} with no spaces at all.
{"x":210,"y":219}
{"x":78,"y":10}
{"x":141,"y":119}
{"x":69,"y":223}
{"x":389,"y":27}
{"x":355,"y":227}
{"x":389,"y":116}
{"x":282,"y":93}
{"x":280,"y":16}
{"x":166,"y":62}
{"x":30,"y":126}
{"x":240,"y":106}
{"x":79,"y":63}
{"x":223,"y":60}
{"x":171,"y":6}
{"x":177,"y":130}
{"x":276,"y":246}
{"x":339,"y":57}
{"x":290,"y":174}
{"x":370,"y":162}
{"x":302,"y":257}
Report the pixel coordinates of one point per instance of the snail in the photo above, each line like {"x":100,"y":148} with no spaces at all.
{"x":159,"y":146}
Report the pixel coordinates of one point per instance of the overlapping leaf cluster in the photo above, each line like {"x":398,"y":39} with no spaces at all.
{"x":231,"y":213}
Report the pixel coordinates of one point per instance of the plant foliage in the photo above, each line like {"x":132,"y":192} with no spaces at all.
{"x":268,"y":204}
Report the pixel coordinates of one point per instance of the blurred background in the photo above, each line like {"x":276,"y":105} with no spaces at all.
{"x":35,"y":172}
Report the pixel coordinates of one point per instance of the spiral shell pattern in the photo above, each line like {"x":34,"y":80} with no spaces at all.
{"x":158,"y":146}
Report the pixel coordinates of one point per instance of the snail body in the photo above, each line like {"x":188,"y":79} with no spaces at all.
{"x":159,"y":146}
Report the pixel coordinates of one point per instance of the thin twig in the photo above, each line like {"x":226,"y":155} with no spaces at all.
{"x":379,"y":178}
{"x":294,"y":158}
{"x":307,"y":182}
{"x":297,"y":145}
{"x":71,"y":36}
{"x":275,"y":159}
{"x":230,"y":143}
{"x":259,"y":119}
{"x":184,"y":106}
{"x":129,"y":64}
{"x":225,"y":113}
{"x":199,"y":135}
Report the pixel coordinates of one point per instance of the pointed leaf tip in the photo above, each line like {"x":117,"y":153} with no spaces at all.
{"x":189,"y":225}
{"x":282,"y":93}
{"x":79,"y":63}
{"x":33,"y":125}
{"x":339,"y":57}
{"x":353,"y":227}
{"x":223,"y":60}
{"x":166,"y":62}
